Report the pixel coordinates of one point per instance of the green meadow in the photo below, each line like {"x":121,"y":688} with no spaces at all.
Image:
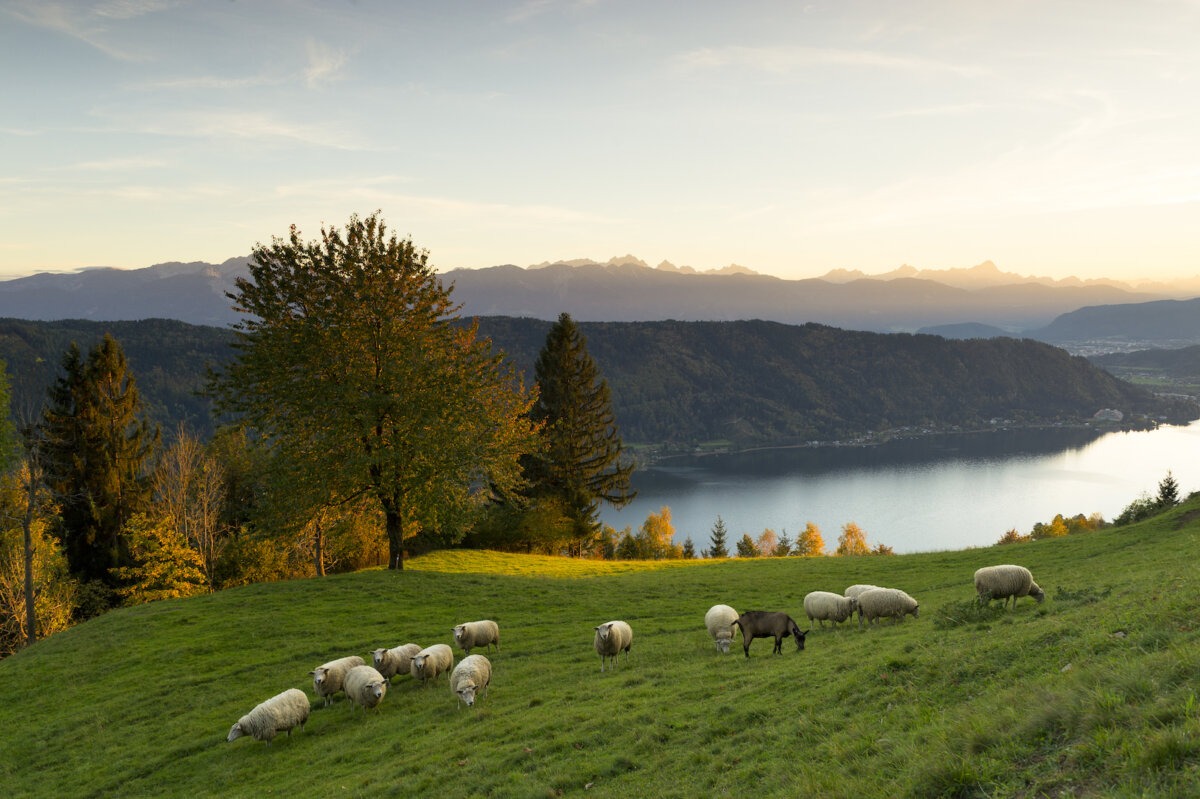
{"x":1092,"y":693}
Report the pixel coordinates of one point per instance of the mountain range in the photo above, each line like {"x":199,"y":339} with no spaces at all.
{"x":628,"y":289}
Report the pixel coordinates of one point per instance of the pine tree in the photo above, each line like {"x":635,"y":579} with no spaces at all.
{"x":1168,"y":492}
{"x":96,"y":445}
{"x":163,"y":566}
{"x":580,"y":460}
{"x":746,"y":547}
{"x":717,"y":547}
{"x":689,"y":549}
{"x":784,"y":547}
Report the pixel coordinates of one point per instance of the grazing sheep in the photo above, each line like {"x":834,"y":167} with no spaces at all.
{"x":281,"y":712}
{"x":828,"y":606}
{"x":883,"y":602}
{"x":430,"y":662}
{"x":857,"y":589}
{"x":1002,"y":582}
{"x":767,"y":624}
{"x":719,"y":621}
{"x":397,"y":660}
{"x":472,"y":674}
{"x":327,"y":678}
{"x":365,"y":687}
{"x":612,"y":638}
{"x":477,"y":633}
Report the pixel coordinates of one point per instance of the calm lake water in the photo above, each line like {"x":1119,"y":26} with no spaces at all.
{"x":920,"y":494}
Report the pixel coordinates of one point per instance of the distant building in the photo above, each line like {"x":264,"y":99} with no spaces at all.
{"x":1108,"y":415}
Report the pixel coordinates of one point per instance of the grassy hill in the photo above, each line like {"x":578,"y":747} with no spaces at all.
{"x":1092,"y":693}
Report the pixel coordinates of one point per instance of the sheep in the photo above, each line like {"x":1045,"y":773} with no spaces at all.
{"x":430,"y":662}
{"x":880,"y":602}
{"x":473,"y":673}
{"x":828,"y":606}
{"x":719,"y":621}
{"x":327,"y":678}
{"x":281,"y":712}
{"x":477,"y":633}
{"x":397,"y":660}
{"x":612,"y":638}
{"x":766,"y":624}
{"x":364,"y":687}
{"x":1002,"y":582}
{"x":857,"y":589}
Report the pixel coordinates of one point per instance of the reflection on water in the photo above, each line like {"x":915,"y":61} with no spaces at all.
{"x":918,"y":494}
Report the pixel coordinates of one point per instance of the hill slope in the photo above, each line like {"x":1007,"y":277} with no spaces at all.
{"x":1091,"y":693}
{"x":681,"y":382}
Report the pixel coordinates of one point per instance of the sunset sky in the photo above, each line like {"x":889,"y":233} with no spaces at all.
{"x":1054,"y":138}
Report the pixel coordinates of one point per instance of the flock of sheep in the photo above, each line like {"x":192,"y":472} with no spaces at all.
{"x":365,"y":686}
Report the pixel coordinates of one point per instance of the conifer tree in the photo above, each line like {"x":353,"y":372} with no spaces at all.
{"x":580,"y":460}
{"x":716,"y":546}
{"x":746,"y":547}
{"x":1168,"y":492}
{"x":689,"y":549}
{"x":97,"y":445}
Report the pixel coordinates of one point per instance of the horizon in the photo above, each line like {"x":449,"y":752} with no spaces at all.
{"x":794,"y":140}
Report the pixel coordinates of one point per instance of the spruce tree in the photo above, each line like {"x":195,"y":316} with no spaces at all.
{"x":97,"y":446}
{"x":580,"y":460}
{"x":1168,"y":492}
{"x":717,"y":547}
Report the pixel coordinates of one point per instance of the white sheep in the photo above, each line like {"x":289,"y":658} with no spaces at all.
{"x":719,"y":621}
{"x":857,"y":589}
{"x":397,"y":660}
{"x":612,"y":638}
{"x":471,"y":675}
{"x":281,"y":712}
{"x":327,"y":678}
{"x":1005,"y":581}
{"x":477,"y":633}
{"x":430,"y":662}
{"x":365,"y":687}
{"x":828,"y":606}
{"x":883,"y":602}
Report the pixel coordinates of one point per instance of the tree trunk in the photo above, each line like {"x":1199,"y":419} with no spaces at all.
{"x":319,"y":542}
{"x":395,"y":533}
{"x":30,"y":609}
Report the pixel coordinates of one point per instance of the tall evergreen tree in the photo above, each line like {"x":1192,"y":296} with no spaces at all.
{"x":96,"y":446}
{"x":1168,"y":492}
{"x":717,"y":548}
{"x":580,"y":460}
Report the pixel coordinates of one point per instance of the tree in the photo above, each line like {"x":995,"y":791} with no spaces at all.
{"x":784,"y":547}
{"x":580,"y":458}
{"x":716,"y":546}
{"x":96,"y":445}
{"x":656,"y":533}
{"x":852,"y":541}
{"x":351,"y":365}
{"x":1168,"y":492}
{"x":766,"y":543}
{"x":809,"y":544}
{"x":189,"y":493}
{"x":689,"y":549}
{"x":1056,"y":528}
{"x":163,"y":567}
{"x":1013,"y":537}
{"x":746,"y":547}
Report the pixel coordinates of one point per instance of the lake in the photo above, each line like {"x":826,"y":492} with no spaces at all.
{"x":916,"y":495}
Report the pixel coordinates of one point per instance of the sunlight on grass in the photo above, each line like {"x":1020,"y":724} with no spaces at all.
{"x":476,"y":561}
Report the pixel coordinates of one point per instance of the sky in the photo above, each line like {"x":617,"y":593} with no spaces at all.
{"x":1056,"y":138}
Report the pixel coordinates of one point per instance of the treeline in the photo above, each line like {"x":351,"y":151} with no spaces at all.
{"x":684,"y":383}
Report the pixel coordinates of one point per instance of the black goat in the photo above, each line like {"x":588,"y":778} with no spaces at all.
{"x":768,"y":624}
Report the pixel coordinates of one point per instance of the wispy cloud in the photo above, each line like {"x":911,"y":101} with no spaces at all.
{"x":89,"y":26}
{"x":234,"y":123}
{"x":115,"y":165}
{"x":786,"y":60}
{"x":324,"y":64}
{"x":210,"y":82}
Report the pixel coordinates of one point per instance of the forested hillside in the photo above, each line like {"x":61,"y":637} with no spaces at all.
{"x":681,"y":382}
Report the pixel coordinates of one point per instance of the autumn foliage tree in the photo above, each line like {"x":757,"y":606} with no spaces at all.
{"x":852,"y":541}
{"x":350,"y":363}
{"x":809,"y":544}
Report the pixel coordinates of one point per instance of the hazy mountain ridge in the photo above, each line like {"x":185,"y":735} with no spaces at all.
{"x":625,"y":288}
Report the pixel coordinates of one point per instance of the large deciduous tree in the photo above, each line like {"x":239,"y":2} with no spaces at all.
{"x":96,"y":445}
{"x":352,"y":367}
{"x":580,"y":462}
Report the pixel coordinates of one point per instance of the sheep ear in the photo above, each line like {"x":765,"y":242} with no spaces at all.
{"x":596,"y":628}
